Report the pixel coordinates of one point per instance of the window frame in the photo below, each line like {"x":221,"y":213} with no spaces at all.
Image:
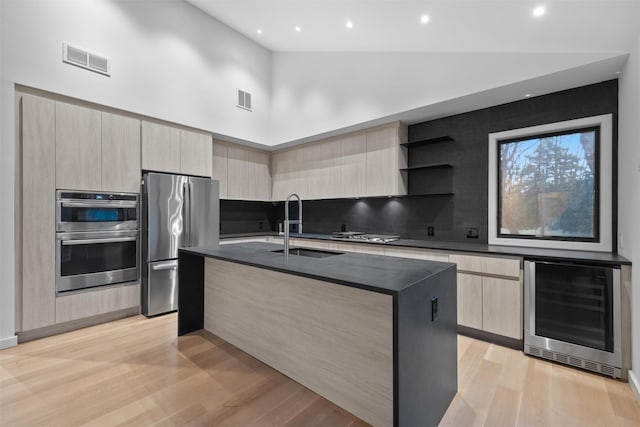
{"x":603,"y":223}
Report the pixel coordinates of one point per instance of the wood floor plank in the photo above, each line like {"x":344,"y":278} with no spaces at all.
{"x":137,"y":372}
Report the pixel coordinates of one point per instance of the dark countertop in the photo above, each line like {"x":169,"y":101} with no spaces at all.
{"x":530,"y":253}
{"x":378,"y":273}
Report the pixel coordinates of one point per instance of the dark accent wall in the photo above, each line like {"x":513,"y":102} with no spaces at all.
{"x":238,"y":216}
{"x":449,"y":215}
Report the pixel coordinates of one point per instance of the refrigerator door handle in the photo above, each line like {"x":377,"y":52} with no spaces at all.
{"x":190,"y":218}
{"x":165,"y":266}
{"x":187,"y":214}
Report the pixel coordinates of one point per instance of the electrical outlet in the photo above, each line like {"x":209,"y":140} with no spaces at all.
{"x":472,"y":233}
{"x":343,"y":227}
{"x":431,"y":231}
{"x":261,"y":225}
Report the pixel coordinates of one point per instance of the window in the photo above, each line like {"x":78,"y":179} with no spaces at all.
{"x":545,"y":185}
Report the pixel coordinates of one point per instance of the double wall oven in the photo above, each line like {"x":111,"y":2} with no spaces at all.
{"x":97,"y":239}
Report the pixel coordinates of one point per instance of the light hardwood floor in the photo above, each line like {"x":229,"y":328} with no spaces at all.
{"x":136,"y":371}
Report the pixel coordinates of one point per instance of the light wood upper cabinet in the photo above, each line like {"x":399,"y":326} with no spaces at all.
{"x":285,"y":166}
{"x":320,"y":176}
{"x":353,"y":154}
{"x":384,"y":159}
{"x":259,"y":175}
{"x":120,"y":153}
{"x":364,"y":163}
{"x":196,"y":150}
{"x":160,"y":148}
{"x":248,"y":173}
{"x":78,"y":147}
{"x":38,"y":213}
{"x":219,"y":166}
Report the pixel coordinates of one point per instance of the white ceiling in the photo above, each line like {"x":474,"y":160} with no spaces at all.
{"x":454,"y":25}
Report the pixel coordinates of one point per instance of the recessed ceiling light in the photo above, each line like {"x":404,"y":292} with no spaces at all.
{"x":528,"y":95}
{"x":424,"y":19}
{"x":349,"y":24}
{"x":259,"y":31}
{"x":298,"y":29}
{"x":617,"y":72}
{"x":539,"y":11}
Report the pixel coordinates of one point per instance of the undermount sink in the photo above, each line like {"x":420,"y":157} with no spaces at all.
{"x":311,"y":253}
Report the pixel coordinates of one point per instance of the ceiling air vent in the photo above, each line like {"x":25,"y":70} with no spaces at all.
{"x":244,"y":100}
{"x":84,"y":59}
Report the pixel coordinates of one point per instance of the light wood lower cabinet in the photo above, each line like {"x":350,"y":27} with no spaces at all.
{"x":416,"y":254}
{"x":96,"y":302}
{"x":490,"y":294}
{"x":490,"y":291}
{"x":502,"y":307}
{"x":470,"y":300}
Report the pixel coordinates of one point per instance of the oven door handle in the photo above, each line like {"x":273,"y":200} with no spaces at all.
{"x":105,"y":204}
{"x":165,"y":266}
{"x":93,"y":241}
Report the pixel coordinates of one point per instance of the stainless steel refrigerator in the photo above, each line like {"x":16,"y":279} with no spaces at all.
{"x":177,"y":211}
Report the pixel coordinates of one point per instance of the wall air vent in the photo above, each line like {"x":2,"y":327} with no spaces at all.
{"x":84,"y":59}
{"x":244,"y":100}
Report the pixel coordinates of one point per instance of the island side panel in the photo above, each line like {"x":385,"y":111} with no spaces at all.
{"x":336,"y":340}
{"x":427,"y":350}
{"x":190,"y":292}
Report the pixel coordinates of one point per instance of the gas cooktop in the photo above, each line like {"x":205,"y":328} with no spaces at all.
{"x":366,"y":237}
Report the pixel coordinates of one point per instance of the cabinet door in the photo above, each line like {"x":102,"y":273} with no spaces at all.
{"x":78,"y":148}
{"x":160,"y":148}
{"x":259,"y":175}
{"x":353,"y":155}
{"x":285,"y":166}
{"x":38,"y":213}
{"x":319,"y":170}
{"x":219,"y":166}
{"x":470,"y":307}
{"x":196,"y":153}
{"x":120,"y":153}
{"x":502,"y":307}
{"x":237,"y":176}
{"x":95,"y":302}
{"x":383,"y":163}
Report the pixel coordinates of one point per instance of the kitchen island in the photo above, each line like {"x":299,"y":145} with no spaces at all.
{"x":376,"y":335}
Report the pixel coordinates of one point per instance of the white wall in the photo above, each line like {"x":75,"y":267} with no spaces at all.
{"x":628,"y":193}
{"x":318,"y":92}
{"x":169,"y":61}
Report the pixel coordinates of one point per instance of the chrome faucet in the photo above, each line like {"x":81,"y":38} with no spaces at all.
{"x":288,"y":222}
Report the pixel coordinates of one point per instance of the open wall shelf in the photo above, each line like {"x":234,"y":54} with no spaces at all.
{"x":429,"y":141}
{"x":425,"y":177}
{"x":430,"y":166}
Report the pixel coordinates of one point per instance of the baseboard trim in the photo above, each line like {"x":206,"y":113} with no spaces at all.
{"x":513,"y":343}
{"x":72,"y":325}
{"x":635,"y":385}
{"x":8,"y":342}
